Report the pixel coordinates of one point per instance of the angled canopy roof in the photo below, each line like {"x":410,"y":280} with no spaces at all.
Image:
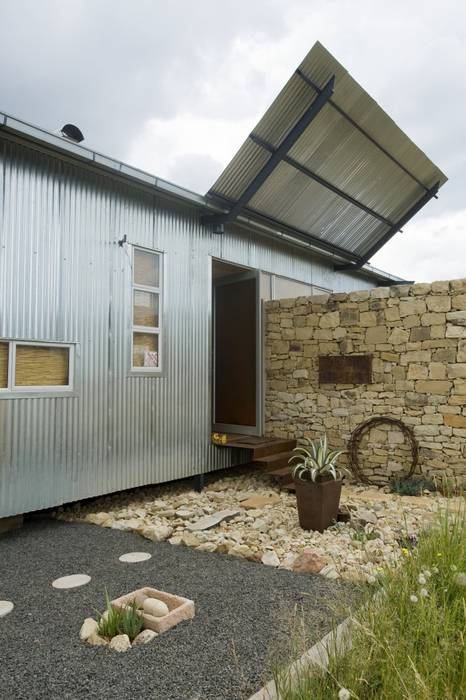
{"x":326,"y":163}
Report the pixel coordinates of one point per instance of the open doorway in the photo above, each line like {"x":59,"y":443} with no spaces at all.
{"x":236,"y":349}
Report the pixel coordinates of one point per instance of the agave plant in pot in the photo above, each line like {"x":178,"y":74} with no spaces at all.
{"x":318,"y":483}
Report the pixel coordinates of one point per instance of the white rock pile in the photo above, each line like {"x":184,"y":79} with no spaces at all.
{"x":247,"y":516}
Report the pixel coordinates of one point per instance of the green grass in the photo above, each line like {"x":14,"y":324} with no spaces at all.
{"x":115,"y":620}
{"x":403,"y":648}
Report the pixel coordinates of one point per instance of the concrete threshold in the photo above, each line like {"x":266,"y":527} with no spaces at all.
{"x":315,"y":659}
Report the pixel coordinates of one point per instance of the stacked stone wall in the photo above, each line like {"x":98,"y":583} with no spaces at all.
{"x":416,"y":335}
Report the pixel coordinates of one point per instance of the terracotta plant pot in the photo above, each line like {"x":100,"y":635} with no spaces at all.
{"x":318,"y":503}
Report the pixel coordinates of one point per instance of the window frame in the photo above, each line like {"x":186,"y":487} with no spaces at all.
{"x":13,"y":390}
{"x":150,"y":330}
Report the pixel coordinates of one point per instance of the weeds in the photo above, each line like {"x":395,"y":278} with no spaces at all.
{"x":409,"y":640}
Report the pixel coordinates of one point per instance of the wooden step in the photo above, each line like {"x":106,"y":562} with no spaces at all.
{"x":273,"y":447}
{"x":275,"y":461}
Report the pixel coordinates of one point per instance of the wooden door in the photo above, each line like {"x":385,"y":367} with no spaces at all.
{"x":236,"y":360}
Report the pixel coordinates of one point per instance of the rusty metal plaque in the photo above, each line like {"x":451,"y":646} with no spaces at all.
{"x":345,"y":369}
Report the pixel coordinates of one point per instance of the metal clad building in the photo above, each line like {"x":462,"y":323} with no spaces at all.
{"x":66,"y":280}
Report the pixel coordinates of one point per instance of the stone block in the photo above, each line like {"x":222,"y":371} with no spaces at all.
{"x":457,"y":317}
{"x":417,"y":371}
{"x":441,"y":287}
{"x":419,"y":334}
{"x":368,"y":318}
{"x":280,"y":347}
{"x":438,"y":304}
{"x":411,"y":321}
{"x":349,"y":317}
{"x":331,"y":319}
{"x":433,"y":386}
{"x":455,"y":421}
{"x":437,"y":370}
{"x":398,"y":336}
{"x":392,"y":313}
{"x":461,"y":356}
{"x":305,"y":333}
{"x":455,"y":331}
{"x":457,"y":371}
{"x":433,"y":319}
{"x":412,"y":307}
{"x":459,"y":302}
{"x":376,"y":334}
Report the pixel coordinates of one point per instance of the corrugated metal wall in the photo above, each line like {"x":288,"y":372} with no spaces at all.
{"x":63,"y":277}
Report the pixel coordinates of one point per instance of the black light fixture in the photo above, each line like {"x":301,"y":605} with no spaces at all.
{"x":71,"y":132}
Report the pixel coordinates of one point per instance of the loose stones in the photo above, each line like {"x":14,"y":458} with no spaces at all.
{"x":134,"y":557}
{"x":120,"y":643}
{"x":89,"y":627}
{"x":154,"y":607}
{"x":6,"y":606}
{"x":144,"y":637}
{"x":211,"y":520}
{"x":72,"y":581}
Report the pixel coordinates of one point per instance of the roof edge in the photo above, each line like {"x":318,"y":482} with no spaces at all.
{"x":33,"y":134}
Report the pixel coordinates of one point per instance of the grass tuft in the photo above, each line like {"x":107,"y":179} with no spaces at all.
{"x":113,"y":621}
{"x":409,"y":640}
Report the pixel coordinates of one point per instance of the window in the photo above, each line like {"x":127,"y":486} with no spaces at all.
{"x":146,"y":341}
{"x":35,"y":367}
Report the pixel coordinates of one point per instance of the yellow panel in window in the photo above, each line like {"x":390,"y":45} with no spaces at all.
{"x":145,"y":309}
{"x":145,"y":350}
{"x":41,"y":365}
{"x":146,"y":268}
{"x":3,"y":365}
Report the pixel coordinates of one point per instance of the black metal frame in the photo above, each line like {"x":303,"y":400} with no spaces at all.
{"x":426,"y":197}
{"x":325,"y":183}
{"x":280,"y":154}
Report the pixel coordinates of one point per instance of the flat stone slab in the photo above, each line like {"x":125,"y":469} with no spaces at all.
{"x":260,"y":501}
{"x":6,"y":606}
{"x":134,"y":557}
{"x":211,"y":520}
{"x":72,"y":581}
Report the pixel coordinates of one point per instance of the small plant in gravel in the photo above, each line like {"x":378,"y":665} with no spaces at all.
{"x":360,"y":535}
{"x":114,"y":621}
{"x":414,"y":486}
{"x":408,"y":642}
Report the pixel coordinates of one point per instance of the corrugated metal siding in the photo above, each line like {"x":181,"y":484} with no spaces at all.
{"x":63,"y":277}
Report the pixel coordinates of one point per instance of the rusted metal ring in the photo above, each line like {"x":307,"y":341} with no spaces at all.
{"x":357,"y":435}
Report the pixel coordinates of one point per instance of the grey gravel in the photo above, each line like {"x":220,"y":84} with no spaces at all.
{"x":241,"y":610}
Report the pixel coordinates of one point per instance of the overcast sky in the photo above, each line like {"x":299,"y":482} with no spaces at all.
{"x":175,"y":86}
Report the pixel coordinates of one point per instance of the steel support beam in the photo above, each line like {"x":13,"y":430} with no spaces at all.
{"x":289,"y":140}
{"x":394,"y":229}
{"x":286,"y":229}
{"x":317,"y":178}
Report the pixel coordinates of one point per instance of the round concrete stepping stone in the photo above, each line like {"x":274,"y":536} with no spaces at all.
{"x":134,"y":557}
{"x":6,"y":606}
{"x":72,"y":581}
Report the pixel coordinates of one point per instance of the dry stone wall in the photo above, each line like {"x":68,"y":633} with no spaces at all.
{"x":416,"y":335}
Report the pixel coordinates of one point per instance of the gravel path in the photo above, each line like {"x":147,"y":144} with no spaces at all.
{"x":241,"y":608}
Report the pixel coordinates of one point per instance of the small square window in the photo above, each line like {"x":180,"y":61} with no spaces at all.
{"x":145,"y":309}
{"x":146,"y":268}
{"x":146,"y":350}
{"x":42,"y":365}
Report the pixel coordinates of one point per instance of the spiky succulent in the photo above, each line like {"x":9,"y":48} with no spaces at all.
{"x":317,"y":461}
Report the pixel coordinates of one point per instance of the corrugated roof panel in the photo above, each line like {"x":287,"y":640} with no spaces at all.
{"x":352,"y":144}
{"x":249,"y":160}
{"x":292,"y":198}
{"x":343,"y":156}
